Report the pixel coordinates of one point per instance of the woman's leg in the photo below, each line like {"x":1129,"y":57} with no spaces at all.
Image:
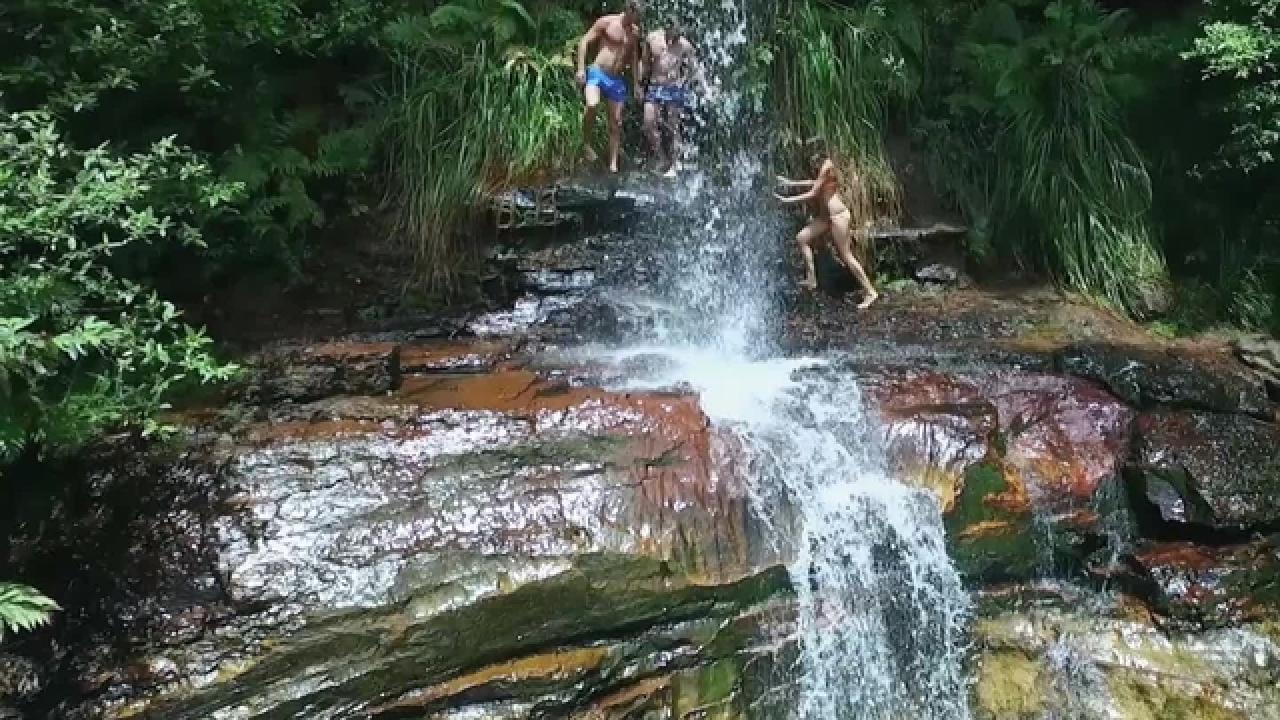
{"x":805,"y":239}
{"x":843,"y":238}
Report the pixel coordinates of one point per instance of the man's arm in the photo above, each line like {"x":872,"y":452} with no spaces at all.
{"x":584,"y":45}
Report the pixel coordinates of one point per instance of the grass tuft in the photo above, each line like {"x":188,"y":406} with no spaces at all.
{"x":840,"y":73}
{"x":503,"y":115}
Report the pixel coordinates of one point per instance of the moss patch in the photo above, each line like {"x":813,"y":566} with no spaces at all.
{"x":1010,"y":686}
{"x":1137,"y":700}
{"x":988,"y":541}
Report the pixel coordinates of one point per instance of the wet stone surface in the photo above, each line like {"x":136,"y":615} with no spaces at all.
{"x":452,"y":518}
{"x":1221,"y":472}
{"x":1146,"y":378}
{"x":1091,"y":663}
{"x":1201,"y":586}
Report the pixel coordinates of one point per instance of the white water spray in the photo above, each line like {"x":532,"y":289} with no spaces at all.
{"x":881,"y":611}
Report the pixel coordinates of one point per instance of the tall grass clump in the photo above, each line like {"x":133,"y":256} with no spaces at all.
{"x":839,"y":75}
{"x":1069,"y":187}
{"x":485,"y":102}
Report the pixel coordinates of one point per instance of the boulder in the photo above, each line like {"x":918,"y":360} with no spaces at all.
{"x":1090,"y":663}
{"x":1146,"y":378}
{"x":1206,"y":471}
{"x":1023,"y":463}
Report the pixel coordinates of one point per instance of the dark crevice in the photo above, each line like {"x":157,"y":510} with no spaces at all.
{"x":1152,"y":525}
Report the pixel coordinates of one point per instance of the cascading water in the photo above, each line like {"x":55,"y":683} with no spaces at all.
{"x":881,"y":613}
{"x":881,"y":610}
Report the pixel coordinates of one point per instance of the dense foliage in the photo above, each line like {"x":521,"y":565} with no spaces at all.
{"x":507,"y":113}
{"x":1129,"y":156}
{"x":82,"y":347}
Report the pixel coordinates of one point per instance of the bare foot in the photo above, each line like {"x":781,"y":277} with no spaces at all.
{"x":809,"y":284}
{"x":866,"y":302}
{"x":613,"y":168}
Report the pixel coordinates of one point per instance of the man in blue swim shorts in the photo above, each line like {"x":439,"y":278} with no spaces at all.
{"x":619,"y":38}
{"x":669,"y":57}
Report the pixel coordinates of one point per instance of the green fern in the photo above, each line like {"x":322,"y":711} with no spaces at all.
{"x":22,"y":608}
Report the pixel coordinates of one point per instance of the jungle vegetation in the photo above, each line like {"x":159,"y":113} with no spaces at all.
{"x":149,"y":149}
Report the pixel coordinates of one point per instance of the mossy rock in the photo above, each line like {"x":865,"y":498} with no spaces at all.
{"x":1010,"y":686}
{"x":989,"y":542}
{"x":1138,"y":699}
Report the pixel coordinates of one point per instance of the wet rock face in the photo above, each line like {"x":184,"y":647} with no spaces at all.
{"x":466,"y":540}
{"x":1089,"y":665}
{"x":1217,"y":472}
{"x":1147,"y":378}
{"x":1024,"y":464}
{"x":1199,"y":586}
{"x":361,"y":510}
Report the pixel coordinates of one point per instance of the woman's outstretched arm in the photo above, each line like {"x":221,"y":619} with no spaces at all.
{"x":827,"y":171}
{"x":787,"y":182}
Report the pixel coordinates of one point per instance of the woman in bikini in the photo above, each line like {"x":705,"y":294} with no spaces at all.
{"x":832,"y":215}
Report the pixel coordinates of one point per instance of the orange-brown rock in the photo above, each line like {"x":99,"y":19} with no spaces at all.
{"x":446,"y":356}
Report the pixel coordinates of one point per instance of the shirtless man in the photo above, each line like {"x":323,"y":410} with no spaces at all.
{"x":667,"y":56}
{"x":832,"y":216}
{"x":618,"y":35}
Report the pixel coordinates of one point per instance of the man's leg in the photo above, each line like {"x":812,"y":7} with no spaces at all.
{"x":615,"y":133}
{"x":674,"y":112}
{"x":805,"y":240}
{"x":651,"y":111}
{"x":592,"y":96}
{"x":843,"y":238}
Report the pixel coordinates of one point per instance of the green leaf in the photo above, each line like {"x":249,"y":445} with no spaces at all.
{"x":23,"y":608}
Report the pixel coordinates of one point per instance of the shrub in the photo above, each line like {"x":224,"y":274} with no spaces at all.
{"x":84,"y":348}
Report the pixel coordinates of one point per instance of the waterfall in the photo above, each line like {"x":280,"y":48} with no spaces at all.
{"x":881,"y":611}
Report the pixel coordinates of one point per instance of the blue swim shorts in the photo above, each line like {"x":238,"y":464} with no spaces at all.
{"x":611,"y":86}
{"x":667,"y":95}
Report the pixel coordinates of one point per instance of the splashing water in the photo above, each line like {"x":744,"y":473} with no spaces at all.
{"x":881,"y":611}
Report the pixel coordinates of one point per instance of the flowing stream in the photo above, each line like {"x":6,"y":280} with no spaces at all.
{"x":881,"y":610}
